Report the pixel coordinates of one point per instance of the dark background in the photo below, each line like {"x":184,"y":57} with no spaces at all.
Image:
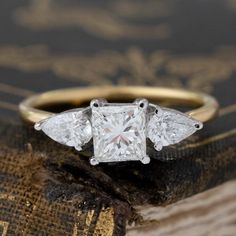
{"x":54,"y":44}
{"x":48,"y":44}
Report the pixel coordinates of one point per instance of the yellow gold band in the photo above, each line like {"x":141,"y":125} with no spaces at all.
{"x":31,"y":108}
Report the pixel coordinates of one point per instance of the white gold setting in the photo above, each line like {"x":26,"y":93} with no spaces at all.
{"x":119,"y":130}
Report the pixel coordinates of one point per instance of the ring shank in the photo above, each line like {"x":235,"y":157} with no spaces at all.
{"x":31,"y":112}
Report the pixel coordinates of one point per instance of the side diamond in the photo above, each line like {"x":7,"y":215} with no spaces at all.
{"x":167,"y":126}
{"x":71,"y":128}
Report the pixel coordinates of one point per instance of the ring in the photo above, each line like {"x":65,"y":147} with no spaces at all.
{"x":119,"y":130}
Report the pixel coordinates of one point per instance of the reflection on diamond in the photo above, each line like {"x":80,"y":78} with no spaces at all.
{"x":119,"y":132}
{"x":170,"y":127}
{"x":70,"y":128}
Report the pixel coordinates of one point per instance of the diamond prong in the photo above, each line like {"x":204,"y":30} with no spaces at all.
{"x":145,"y":160}
{"x":94,"y":161}
{"x":37,"y":126}
{"x":198,"y":125}
{"x":118,"y":132}
{"x":158,"y":111}
{"x":98,"y":102}
{"x":158,"y":146}
{"x":78,"y":148}
{"x":142,"y":102}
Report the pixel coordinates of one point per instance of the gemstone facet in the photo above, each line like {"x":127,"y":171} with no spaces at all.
{"x":167,"y":126}
{"x":70,"y":128}
{"x":119,"y":132}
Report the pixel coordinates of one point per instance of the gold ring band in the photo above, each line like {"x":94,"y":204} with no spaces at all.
{"x":31,"y":108}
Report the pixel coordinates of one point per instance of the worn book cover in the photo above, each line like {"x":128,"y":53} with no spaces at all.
{"x":49,"y":189}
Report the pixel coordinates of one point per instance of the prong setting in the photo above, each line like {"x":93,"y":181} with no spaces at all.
{"x":98,"y":102}
{"x":145,"y":160}
{"x":93,"y":161}
{"x":198,"y":126}
{"x":158,"y":147}
{"x":78,"y":148}
{"x":142,"y":102}
{"x":158,"y":111}
{"x":119,"y":131}
{"x":37,"y":126}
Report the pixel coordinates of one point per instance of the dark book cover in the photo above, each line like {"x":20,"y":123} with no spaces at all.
{"x":49,"y":189}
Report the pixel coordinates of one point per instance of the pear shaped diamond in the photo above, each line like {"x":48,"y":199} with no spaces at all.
{"x":167,"y":126}
{"x":71,"y":128}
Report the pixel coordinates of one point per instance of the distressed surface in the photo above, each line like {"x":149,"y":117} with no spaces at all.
{"x":47,"y":189}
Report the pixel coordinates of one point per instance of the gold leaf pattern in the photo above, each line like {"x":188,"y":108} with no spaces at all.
{"x":4,"y":226}
{"x":105,"y":222}
{"x":111,"y":21}
{"x":159,"y":68}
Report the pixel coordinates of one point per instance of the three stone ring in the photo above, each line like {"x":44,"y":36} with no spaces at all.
{"x":119,"y":130}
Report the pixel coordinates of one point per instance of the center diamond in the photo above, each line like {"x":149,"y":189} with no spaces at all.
{"x":119,"y":132}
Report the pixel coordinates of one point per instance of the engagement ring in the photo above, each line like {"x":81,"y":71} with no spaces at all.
{"x":119,"y":130}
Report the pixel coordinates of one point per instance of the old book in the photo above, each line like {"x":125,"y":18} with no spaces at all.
{"x":49,"y":189}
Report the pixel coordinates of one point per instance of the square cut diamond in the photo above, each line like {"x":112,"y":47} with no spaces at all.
{"x":119,"y":132}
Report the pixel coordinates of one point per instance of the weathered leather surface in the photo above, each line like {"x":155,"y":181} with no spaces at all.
{"x":48,"y":189}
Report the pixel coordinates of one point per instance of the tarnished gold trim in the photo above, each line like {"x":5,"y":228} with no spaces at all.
{"x":5,"y":226}
{"x":105,"y":222}
{"x":7,"y":88}
{"x":6,"y":196}
{"x":211,"y":139}
{"x":8,"y":106}
{"x":88,"y":221}
{"x":110,"y":21}
{"x":227,"y":110}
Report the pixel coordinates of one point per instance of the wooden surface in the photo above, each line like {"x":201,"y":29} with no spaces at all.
{"x":211,"y":213}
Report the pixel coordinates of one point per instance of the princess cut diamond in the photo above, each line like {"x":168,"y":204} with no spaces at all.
{"x":119,"y":132}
